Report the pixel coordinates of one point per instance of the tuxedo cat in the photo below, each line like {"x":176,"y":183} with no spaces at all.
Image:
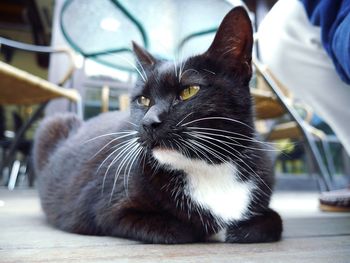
{"x":183,"y":166}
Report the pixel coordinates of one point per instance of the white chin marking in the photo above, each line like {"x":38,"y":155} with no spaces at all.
{"x":216,"y":188}
{"x":174,"y":159}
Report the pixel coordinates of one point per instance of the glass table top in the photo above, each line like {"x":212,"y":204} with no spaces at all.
{"x":103,"y":29}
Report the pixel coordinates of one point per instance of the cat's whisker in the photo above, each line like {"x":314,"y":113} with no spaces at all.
{"x":208,"y":140}
{"x":154,"y":165}
{"x":175,"y":66}
{"x":123,"y":153}
{"x":182,"y":151}
{"x":182,"y":148}
{"x":211,"y":151}
{"x":235,"y":143}
{"x":128,"y":166}
{"x":181,"y":67}
{"x":198,"y":147}
{"x":120,"y":145}
{"x":218,"y":118}
{"x":143,"y":70}
{"x":123,"y":149}
{"x":184,"y":118}
{"x":237,"y":140}
{"x":110,"y":142}
{"x":143,"y":158}
{"x":124,"y":144}
{"x":125,"y":160}
{"x":179,"y":147}
{"x":234,"y":133}
{"x":187,"y":70}
{"x":194,"y":146}
{"x":209,"y":71}
{"x":187,"y":153}
{"x":136,"y":156}
{"x":144,"y":78}
{"x":111,"y":134}
{"x":177,"y":135}
{"x":190,"y":147}
{"x":135,"y":125}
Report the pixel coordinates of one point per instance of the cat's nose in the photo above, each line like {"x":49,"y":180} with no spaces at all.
{"x":151,"y":124}
{"x":152,"y":120}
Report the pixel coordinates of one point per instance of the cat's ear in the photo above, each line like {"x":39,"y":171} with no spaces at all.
{"x":234,"y":38}
{"x":142,"y":55}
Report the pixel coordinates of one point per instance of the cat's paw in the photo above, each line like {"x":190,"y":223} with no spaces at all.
{"x":180,"y":238}
{"x":175,"y":234}
{"x":266,"y":227}
{"x":154,"y":228}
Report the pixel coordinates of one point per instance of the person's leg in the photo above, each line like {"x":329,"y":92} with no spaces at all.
{"x":292,"y":48}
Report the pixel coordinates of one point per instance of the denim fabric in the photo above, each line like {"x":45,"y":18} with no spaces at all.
{"x":333,"y":16}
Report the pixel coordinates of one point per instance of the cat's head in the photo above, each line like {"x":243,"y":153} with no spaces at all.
{"x":198,"y":106}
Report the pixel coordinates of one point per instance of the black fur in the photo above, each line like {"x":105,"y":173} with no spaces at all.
{"x":82,"y":191}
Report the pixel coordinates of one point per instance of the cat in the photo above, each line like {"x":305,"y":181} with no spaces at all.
{"x":183,"y":166}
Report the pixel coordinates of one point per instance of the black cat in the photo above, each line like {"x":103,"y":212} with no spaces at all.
{"x":183,"y":166}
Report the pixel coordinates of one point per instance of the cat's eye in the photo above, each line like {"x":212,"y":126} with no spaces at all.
{"x":189,"y":92}
{"x":143,"y":101}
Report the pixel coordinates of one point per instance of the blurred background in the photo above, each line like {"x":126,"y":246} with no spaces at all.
{"x":74,"y":55}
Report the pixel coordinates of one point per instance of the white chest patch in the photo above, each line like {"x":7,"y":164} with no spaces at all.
{"x":213,"y":187}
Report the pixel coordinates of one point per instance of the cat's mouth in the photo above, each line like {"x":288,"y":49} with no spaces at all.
{"x":157,"y":144}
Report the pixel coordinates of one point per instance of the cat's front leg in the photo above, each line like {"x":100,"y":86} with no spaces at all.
{"x":157,"y":228}
{"x":265,"y":227}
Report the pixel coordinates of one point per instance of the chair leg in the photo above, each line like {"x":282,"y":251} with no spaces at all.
{"x":329,"y":159}
{"x":310,"y":166}
{"x":2,"y":167}
{"x":20,"y":134}
{"x":14,"y":174}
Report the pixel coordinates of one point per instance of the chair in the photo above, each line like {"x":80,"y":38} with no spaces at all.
{"x":22,"y":88}
{"x":298,"y":127}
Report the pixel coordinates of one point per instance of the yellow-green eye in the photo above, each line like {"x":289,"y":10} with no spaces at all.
{"x":143,"y":101}
{"x":189,"y":92}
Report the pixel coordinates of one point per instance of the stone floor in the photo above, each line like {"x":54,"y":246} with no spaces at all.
{"x":309,"y":236}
